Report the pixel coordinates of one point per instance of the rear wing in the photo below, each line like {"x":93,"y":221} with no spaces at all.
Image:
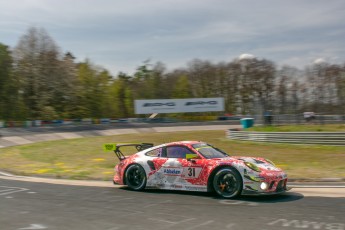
{"x":116,"y":148}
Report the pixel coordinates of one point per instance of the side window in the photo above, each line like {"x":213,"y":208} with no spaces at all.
{"x":177,"y":152}
{"x":155,"y":153}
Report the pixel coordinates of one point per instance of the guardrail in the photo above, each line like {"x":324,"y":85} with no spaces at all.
{"x":321,"y":138}
{"x":87,"y":121}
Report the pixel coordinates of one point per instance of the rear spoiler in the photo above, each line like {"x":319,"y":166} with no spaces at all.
{"x":119,"y":154}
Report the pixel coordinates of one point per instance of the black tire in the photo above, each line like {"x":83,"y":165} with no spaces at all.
{"x":227,"y":182}
{"x":135,"y":177}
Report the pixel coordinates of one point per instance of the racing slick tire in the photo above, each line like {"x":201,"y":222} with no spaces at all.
{"x":227,"y":182}
{"x":135,"y":177}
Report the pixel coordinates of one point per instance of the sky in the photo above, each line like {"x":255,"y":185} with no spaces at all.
{"x":120,"y":35}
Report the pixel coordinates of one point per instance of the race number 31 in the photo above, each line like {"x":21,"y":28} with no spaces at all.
{"x":191,"y":172}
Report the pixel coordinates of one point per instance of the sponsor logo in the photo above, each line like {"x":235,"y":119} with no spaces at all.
{"x":175,"y":186}
{"x":109,"y":147}
{"x":195,"y":188}
{"x":201,"y":103}
{"x":172,"y":171}
{"x":159,"y":104}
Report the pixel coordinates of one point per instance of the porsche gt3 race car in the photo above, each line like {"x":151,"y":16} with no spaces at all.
{"x":196,"y":166}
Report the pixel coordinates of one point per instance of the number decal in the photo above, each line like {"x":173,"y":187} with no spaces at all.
{"x":191,"y":172}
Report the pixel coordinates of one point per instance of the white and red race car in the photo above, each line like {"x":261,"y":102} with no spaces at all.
{"x":196,"y":166}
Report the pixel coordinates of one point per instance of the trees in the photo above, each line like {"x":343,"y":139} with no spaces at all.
{"x":7,"y":84}
{"x":5,"y":71}
{"x":93,"y":88}
{"x":66,"y":94}
{"x":202,"y":78}
{"x":182,"y":88}
{"x":148,"y":81}
{"x":340,"y":84}
{"x":38,"y":82}
{"x":256,"y":81}
{"x":325,"y":87}
{"x":5,"y":65}
{"x":288,"y":90}
{"x":53,"y":86}
{"x":37,"y":69}
{"x":121,"y":96}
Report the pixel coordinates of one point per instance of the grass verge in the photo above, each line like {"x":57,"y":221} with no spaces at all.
{"x":85,"y":159}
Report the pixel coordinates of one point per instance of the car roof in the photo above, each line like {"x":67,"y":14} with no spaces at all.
{"x":183,"y":143}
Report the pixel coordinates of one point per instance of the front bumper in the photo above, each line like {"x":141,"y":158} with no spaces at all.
{"x":267,"y":185}
{"x":260,"y":193}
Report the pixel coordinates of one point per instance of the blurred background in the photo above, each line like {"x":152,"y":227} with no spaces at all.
{"x":38,"y":82}
{"x":89,"y":61}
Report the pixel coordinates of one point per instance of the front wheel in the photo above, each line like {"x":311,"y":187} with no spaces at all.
{"x":227,"y":183}
{"x":135,"y":177}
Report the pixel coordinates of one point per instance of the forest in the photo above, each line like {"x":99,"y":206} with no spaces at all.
{"x":39,"y":81}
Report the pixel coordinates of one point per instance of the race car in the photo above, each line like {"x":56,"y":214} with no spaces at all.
{"x":196,"y":166}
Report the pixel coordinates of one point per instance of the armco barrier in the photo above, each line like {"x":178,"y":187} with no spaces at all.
{"x":321,"y":138}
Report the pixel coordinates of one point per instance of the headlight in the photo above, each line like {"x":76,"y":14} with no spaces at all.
{"x":269,"y":161}
{"x":263,"y":185}
{"x":252,"y":166}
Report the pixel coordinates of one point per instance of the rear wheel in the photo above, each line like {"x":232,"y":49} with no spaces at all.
{"x":135,"y":177}
{"x":227,"y":183}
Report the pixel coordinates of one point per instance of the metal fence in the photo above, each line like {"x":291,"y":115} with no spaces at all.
{"x":322,"y":138}
{"x":297,"y":119}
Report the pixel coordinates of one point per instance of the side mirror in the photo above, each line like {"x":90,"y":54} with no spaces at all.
{"x":192,"y":156}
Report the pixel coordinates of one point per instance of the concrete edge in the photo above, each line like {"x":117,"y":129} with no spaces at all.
{"x":91,"y":183}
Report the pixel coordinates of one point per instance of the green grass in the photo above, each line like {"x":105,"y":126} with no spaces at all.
{"x":85,"y":159}
{"x":299,"y":128}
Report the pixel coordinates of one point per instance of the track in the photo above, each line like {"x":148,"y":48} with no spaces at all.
{"x":22,"y":136}
{"x":34,"y":205}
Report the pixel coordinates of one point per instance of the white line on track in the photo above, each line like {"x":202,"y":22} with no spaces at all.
{"x":317,"y":186}
{"x":10,"y":190}
{"x":5,"y":174}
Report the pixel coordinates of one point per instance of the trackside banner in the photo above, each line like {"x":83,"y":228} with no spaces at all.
{"x":179,"y":105}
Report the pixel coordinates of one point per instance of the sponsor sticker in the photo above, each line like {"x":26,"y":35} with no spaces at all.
{"x":196,"y":188}
{"x":172,"y":171}
{"x":176,"y":186}
{"x":188,"y":103}
{"x":158,"y":104}
{"x":109,"y":147}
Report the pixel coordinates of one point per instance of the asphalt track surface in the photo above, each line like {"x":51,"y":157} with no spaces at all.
{"x":21,"y":136}
{"x":35,"y":205}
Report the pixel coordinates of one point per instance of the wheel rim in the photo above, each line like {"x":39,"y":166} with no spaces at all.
{"x":135,"y":177}
{"x":227,"y":185}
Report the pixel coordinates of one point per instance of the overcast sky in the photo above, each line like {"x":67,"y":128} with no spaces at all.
{"x":120,"y":34}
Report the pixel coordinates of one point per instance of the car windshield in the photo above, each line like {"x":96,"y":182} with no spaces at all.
{"x":209,"y":151}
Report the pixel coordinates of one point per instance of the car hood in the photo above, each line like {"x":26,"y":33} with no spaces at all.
{"x":262,"y":163}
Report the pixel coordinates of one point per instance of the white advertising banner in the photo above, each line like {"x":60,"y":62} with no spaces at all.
{"x":179,"y":105}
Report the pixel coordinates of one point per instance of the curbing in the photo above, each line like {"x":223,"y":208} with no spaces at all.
{"x":7,"y":176}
